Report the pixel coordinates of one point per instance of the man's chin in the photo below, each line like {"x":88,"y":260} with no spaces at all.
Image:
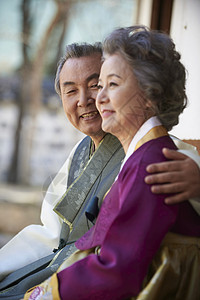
{"x":92,"y":132}
{"x":91,"y":128}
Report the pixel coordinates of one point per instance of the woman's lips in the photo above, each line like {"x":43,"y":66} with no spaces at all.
{"x":105,"y":113}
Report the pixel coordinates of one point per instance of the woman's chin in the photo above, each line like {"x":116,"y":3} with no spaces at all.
{"x":107,"y":127}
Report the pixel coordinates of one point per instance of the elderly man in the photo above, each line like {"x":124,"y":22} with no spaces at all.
{"x":74,"y":197}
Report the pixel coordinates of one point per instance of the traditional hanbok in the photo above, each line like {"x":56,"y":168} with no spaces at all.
{"x":139,"y":248}
{"x":89,"y":175}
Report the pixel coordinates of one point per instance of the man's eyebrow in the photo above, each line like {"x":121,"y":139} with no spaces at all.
{"x":93,"y":76}
{"x":66,"y":83}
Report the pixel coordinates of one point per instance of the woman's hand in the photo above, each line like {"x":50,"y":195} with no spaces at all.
{"x":180,"y":176}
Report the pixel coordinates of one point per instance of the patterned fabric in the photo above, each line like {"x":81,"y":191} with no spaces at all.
{"x":71,"y":202}
{"x":46,"y":291}
{"x":80,"y":160}
{"x":95,"y":179}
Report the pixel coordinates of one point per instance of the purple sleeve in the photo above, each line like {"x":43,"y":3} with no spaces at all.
{"x":132,"y":239}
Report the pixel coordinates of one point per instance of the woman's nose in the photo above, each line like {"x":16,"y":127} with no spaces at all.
{"x":102,"y":96}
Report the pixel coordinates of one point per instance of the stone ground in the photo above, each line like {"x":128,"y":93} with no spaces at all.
{"x":19,"y":207}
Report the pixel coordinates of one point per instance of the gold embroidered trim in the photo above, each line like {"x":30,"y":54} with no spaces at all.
{"x":52,"y":261}
{"x":69,"y":224}
{"x":154,"y":133}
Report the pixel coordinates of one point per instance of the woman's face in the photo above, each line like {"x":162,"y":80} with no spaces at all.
{"x":120,"y":101}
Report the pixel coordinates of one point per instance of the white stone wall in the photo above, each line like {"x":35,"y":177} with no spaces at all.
{"x":53,"y":139}
{"x":8,"y":118}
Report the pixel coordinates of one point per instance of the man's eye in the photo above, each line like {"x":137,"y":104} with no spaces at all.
{"x":94,"y":86}
{"x":70,"y":92}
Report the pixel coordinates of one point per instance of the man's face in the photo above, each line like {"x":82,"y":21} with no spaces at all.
{"x":78,"y":84}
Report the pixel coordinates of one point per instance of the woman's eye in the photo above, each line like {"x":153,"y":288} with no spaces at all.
{"x":112,"y":83}
{"x":99,"y":87}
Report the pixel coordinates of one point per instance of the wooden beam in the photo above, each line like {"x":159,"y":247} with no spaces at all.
{"x":161,"y":15}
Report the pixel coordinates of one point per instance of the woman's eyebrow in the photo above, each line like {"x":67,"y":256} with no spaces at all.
{"x":113,"y":74}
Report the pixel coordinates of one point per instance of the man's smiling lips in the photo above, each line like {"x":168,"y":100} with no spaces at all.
{"x":89,"y":115}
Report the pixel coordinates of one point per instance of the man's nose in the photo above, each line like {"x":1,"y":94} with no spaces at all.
{"x":85,"y":98}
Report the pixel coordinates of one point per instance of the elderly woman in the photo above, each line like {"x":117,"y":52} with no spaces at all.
{"x":140,"y":247}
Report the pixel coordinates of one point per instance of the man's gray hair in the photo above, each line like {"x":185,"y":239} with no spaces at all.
{"x":75,"y":50}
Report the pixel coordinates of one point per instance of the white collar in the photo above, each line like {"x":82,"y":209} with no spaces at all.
{"x":148,"y":125}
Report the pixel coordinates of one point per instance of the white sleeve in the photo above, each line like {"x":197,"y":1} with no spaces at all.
{"x":192,"y":152}
{"x":37,"y":241}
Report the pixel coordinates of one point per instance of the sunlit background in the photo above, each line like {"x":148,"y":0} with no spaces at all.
{"x":45,"y":136}
{"x":35,"y":136}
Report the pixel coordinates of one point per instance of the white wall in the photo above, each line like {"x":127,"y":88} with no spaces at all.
{"x":185,"y":29}
{"x":144,"y":12}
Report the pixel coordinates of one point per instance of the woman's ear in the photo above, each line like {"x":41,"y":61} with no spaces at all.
{"x":150,"y":108}
{"x":148,"y":104}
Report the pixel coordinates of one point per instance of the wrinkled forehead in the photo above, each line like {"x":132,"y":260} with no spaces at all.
{"x":79,"y":69}
{"x":115,"y":64}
